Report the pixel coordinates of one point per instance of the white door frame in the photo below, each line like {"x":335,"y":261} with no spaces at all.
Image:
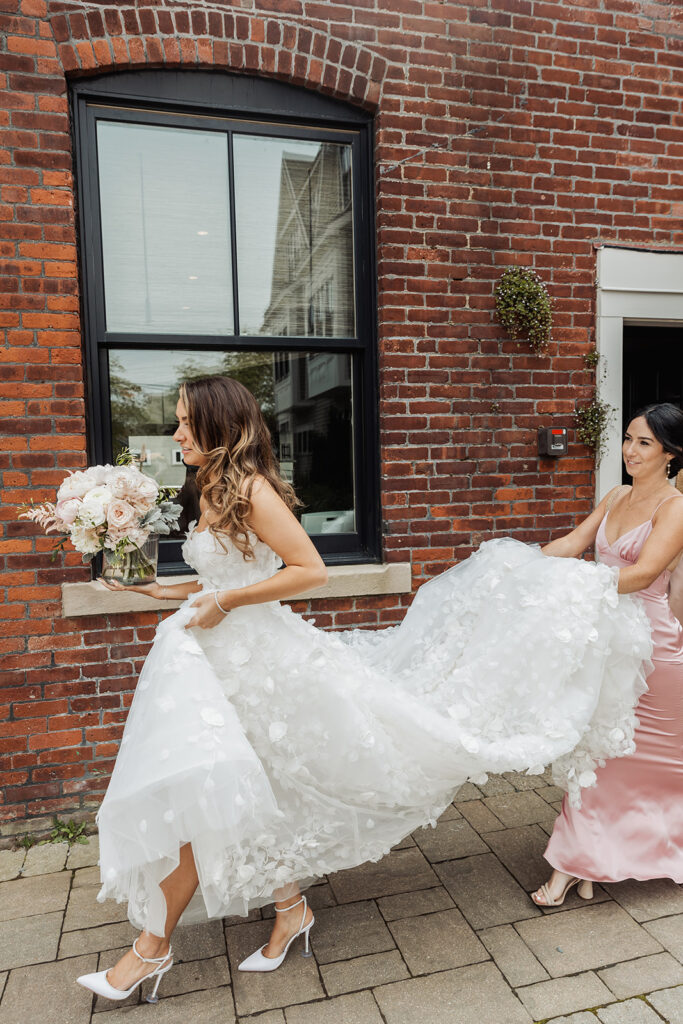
{"x":634,"y":287}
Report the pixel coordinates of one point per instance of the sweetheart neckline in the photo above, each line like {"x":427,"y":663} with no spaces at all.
{"x":192,"y":532}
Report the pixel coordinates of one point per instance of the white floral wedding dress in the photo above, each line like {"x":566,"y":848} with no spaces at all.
{"x":283,"y":752}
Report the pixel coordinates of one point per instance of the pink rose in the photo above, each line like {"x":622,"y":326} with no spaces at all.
{"x":121,"y":515}
{"x":67,"y":510}
{"x":120,"y":483}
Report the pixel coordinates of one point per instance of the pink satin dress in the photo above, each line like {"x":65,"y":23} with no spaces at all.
{"x":630,"y":825}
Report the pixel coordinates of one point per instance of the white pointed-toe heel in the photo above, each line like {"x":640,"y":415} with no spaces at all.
{"x":98,"y":983}
{"x":258,"y":962}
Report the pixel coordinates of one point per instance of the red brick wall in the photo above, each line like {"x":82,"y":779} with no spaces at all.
{"x":507,"y":132}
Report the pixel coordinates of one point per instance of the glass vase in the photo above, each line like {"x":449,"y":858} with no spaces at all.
{"x":133,"y":567}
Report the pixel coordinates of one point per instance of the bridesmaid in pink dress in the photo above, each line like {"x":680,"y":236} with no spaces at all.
{"x":630,"y":825}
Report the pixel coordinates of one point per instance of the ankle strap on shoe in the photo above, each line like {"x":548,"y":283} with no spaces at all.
{"x":282,"y":910}
{"x":151,"y":959}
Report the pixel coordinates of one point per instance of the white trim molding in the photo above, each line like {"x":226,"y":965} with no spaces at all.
{"x":343,"y":581}
{"x":634,"y":286}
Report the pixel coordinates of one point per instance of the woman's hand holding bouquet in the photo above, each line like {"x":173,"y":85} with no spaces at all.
{"x":115,"y":509}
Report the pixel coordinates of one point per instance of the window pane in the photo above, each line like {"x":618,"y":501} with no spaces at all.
{"x":165,"y":229}
{"x":293,"y":209}
{"x":306,"y":399}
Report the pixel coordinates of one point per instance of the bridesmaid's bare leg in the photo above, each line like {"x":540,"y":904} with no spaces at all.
{"x":557,"y":884}
{"x":178,"y":889}
{"x":288,"y":923}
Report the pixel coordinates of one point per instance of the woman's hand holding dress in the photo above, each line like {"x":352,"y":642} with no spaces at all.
{"x":207,"y":614}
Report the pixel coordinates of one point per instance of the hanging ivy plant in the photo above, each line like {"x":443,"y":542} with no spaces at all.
{"x":592,"y":422}
{"x":524,"y":308}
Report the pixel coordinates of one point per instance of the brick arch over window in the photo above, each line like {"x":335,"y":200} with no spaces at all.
{"x":92,"y":41}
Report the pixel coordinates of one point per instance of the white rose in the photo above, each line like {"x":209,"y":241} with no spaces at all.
{"x":101,"y":474}
{"x":119,"y":482}
{"x":85,"y":539}
{"x":148,"y":488}
{"x":93,"y":511}
{"x":76,"y":485}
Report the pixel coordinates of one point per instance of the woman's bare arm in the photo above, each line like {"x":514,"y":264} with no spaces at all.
{"x":276,"y":526}
{"x":160,"y":592}
{"x":573,"y":544}
{"x":659,"y":550}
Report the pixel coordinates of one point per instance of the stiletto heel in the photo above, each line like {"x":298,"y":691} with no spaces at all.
{"x":98,"y":983}
{"x":153,"y":997}
{"x":258,"y":962}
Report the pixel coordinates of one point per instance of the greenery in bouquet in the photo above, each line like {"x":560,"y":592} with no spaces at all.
{"x":116,"y":508}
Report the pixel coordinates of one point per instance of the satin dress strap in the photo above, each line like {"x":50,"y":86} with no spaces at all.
{"x":664,"y":503}
{"x":646,"y":522}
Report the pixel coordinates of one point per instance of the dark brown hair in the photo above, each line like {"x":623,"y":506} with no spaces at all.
{"x":665,"y":420}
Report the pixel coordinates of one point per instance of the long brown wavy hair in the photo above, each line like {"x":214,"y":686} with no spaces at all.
{"x":230,"y":432}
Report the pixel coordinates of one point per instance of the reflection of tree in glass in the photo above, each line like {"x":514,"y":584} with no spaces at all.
{"x":128,"y":406}
{"x":252,"y":369}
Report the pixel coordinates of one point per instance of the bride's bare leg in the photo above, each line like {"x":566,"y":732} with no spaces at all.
{"x":288,"y":923}
{"x":178,"y":889}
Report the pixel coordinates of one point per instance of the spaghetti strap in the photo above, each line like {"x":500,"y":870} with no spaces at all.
{"x":664,"y":503}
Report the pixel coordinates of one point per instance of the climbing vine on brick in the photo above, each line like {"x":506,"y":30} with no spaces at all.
{"x":592,"y":421}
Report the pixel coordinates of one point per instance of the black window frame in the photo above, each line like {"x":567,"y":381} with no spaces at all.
{"x":258,"y":106}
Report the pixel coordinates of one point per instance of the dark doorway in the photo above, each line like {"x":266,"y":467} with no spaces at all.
{"x":653,"y":369}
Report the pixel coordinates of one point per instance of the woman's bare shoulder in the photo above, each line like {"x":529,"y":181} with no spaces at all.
{"x":620,"y":491}
{"x":671,"y":508}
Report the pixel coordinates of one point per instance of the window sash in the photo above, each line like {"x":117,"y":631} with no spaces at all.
{"x":91,"y":103}
{"x":362,"y":256}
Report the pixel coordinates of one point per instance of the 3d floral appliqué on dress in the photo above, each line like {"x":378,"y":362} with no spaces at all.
{"x":283,"y":752}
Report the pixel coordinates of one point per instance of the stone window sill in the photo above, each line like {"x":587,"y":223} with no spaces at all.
{"x":344,"y":581}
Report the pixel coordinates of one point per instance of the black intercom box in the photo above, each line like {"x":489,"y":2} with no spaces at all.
{"x":552,"y":441}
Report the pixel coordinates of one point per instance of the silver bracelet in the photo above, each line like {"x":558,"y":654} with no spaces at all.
{"x":215,"y":597}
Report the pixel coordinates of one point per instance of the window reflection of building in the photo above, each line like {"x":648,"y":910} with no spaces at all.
{"x":312,"y":293}
{"x":344,"y":176}
{"x":158,"y":455}
{"x":312,"y":276}
{"x":312,"y":399}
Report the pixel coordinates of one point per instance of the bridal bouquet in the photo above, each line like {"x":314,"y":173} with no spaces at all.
{"x":114,"y":509}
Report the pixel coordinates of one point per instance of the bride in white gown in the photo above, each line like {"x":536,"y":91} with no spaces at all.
{"x":261,"y":752}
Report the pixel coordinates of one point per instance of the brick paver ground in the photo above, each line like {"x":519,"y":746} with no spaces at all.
{"x":441,"y":931}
